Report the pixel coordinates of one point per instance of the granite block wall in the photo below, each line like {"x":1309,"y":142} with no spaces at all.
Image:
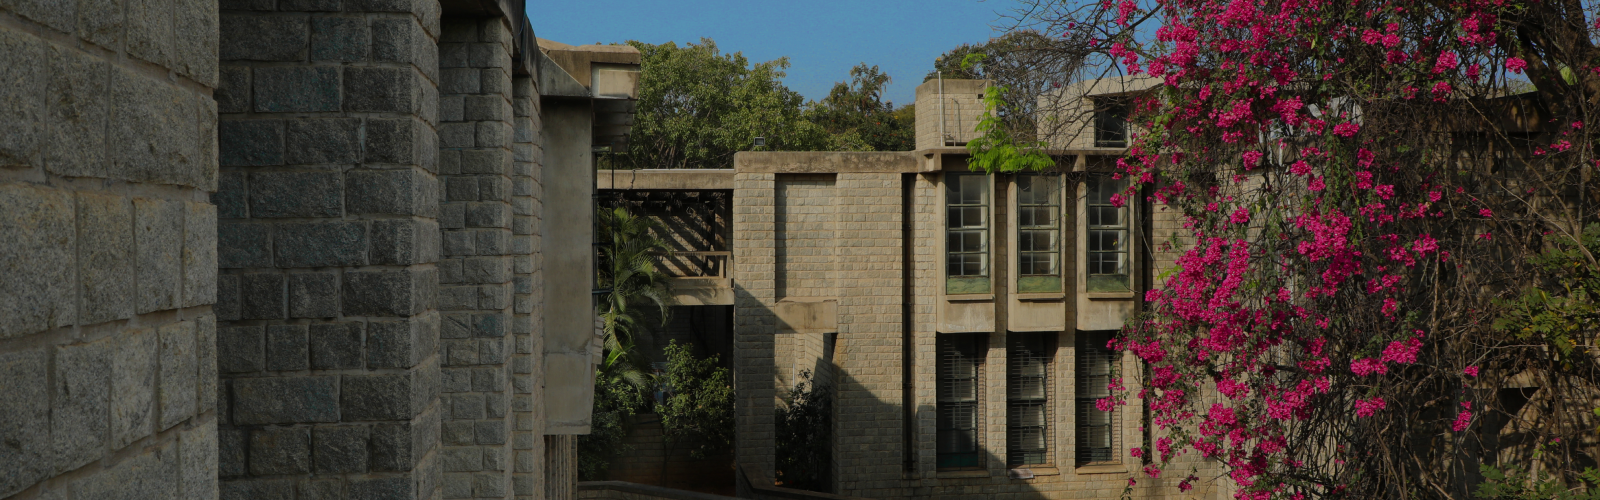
{"x":754,"y":323}
{"x":527,"y":324}
{"x":329,"y":250}
{"x":107,"y":249}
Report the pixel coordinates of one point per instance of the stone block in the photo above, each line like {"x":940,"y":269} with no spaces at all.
{"x":380,"y":90}
{"x":313,"y":295}
{"x":287,"y":348}
{"x":179,"y":373}
{"x":493,"y":134}
{"x":379,"y":397}
{"x":392,"y":141}
{"x":295,"y":194}
{"x":458,"y":485}
{"x":461,"y":188}
{"x":322,"y":141}
{"x":485,"y":161}
{"x":154,"y":132}
{"x":37,"y":239}
{"x":388,"y":488}
{"x":490,"y":432}
{"x":228,"y":307}
{"x":276,"y":37}
{"x":492,"y":269}
{"x":461,"y":459}
{"x":248,"y":4}
{"x":105,"y":257}
{"x":205,"y":335}
{"x":336,"y":346}
{"x":261,"y":296}
{"x":197,"y":455}
{"x":250,"y":143}
{"x":241,"y":245}
{"x":22,"y":99}
{"x":399,"y":192}
{"x":497,"y":81}
{"x":231,"y":447}
{"x":339,"y":38}
{"x":489,"y":485}
{"x":231,"y":196}
{"x":393,"y":344}
{"x":25,"y":420}
{"x":291,"y":89}
{"x":149,"y":35}
{"x":321,"y":489}
{"x":280,"y":450}
{"x":158,"y":238}
{"x":81,"y":407}
{"x":456,"y":380}
{"x":153,"y":474}
{"x":340,"y":450}
{"x":77,"y":109}
{"x":257,"y":489}
{"x":494,"y":188}
{"x":60,"y":15}
{"x":195,"y":40}
{"x":285,"y":400}
{"x":133,"y":386}
{"x":241,"y":349}
{"x":459,"y":80}
{"x":486,"y":108}
{"x":326,"y":244}
{"x":459,"y":243}
{"x":101,"y":23}
{"x":393,"y":39}
{"x":492,"y":241}
{"x":199,"y":254}
{"x":456,"y":134}
{"x":233,"y":89}
{"x":404,"y":241}
{"x":388,"y":293}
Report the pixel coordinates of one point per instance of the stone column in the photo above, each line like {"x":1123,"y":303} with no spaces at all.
{"x":754,"y":324}
{"x":108,"y":249}
{"x":329,"y":248}
{"x":527,"y":325}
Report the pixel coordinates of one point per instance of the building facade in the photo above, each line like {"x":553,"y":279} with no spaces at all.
{"x":296,"y":249}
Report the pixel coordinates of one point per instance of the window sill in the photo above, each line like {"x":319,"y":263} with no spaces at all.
{"x":1026,"y":297}
{"x":1108,"y":295}
{"x":971,"y":297}
{"x":1034,"y":472}
{"x":961,"y":474}
{"x":1102,"y":469}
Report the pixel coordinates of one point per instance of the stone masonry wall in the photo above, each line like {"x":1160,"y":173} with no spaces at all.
{"x":527,"y":324}
{"x":107,"y":249}
{"x":329,"y":248}
{"x":475,"y":293}
{"x":754,"y":322}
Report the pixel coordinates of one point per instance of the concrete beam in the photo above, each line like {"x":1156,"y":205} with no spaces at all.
{"x":823,"y":162}
{"x":668,"y":180}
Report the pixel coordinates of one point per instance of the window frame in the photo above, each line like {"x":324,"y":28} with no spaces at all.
{"x":1036,"y":282}
{"x":945,"y":399}
{"x":1125,"y":225}
{"x":1087,"y":389}
{"x":964,"y":284}
{"x":1110,"y":121}
{"x":1038,"y":348}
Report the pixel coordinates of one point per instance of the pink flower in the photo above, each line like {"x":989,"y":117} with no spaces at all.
{"x":1300,"y":168}
{"x":1368,"y":407}
{"x":1433,"y":196}
{"x":1368,"y":366}
{"x":1402,"y":352}
{"x":1447,"y":61}
{"x":1240,"y":216}
{"x":1485,"y":212}
{"x":1516,"y":64}
{"x":1136,"y":452}
{"x":1471,"y":371}
{"x":1315,"y":185}
{"x":1346,"y":129}
{"x":1385,"y":191}
{"x":1463,"y":420}
{"x":1440,"y":89}
{"x":1425,"y":244}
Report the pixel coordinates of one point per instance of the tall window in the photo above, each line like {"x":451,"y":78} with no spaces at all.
{"x":967,"y":233}
{"x":1111,"y":123}
{"x":1108,"y":236}
{"x":1038,"y":233}
{"x":1028,"y":398}
{"x":959,"y":388}
{"x":1097,"y":430}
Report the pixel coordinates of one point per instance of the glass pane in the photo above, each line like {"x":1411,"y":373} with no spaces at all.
{"x":974,"y":189}
{"x":1028,"y":416}
{"x":954,"y":218}
{"x":973,"y":217}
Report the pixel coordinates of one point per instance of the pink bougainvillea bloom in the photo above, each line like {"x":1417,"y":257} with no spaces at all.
{"x":1577,"y":124}
{"x":1240,"y":216}
{"x":1368,"y":407}
{"x":1486,"y":212}
{"x":1346,"y":129}
{"x":1516,"y":64}
{"x":1300,"y":168}
{"x":1463,"y":420}
{"x":1446,"y":62}
{"x":1433,"y":196}
{"x":1471,"y":371}
{"x":1368,"y":366}
{"x":1402,"y":352}
{"x":1315,"y":185}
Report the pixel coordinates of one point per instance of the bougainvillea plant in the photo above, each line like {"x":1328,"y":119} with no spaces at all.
{"x":1362,"y":187}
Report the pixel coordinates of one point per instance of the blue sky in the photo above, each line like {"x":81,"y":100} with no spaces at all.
{"x":822,"y":38}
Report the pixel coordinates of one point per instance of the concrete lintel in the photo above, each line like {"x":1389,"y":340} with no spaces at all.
{"x":823,"y":162}
{"x":668,"y":179}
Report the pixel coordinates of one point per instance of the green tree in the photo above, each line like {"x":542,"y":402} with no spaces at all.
{"x":698,"y":412}
{"x":855,"y":110}
{"x":804,"y":431}
{"x":1014,"y":62}
{"x":698,"y":106}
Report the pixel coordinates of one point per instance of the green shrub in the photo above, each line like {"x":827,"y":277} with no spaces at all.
{"x":804,"y":431}
{"x":698,"y":411}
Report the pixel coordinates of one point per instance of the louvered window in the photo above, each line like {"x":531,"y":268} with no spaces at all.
{"x":960,"y":388}
{"x":1028,"y":387}
{"x":966,"y":233}
{"x":1097,"y":430}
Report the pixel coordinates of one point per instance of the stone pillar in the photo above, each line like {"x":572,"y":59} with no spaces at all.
{"x":754,"y":324}
{"x":329,"y":249}
{"x":107,"y":249}
{"x":475,"y":133}
{"x":527,"y":325}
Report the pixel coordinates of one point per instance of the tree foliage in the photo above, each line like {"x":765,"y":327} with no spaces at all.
{"x":1359,"y":306}
{"x":698,"y":411}
{"x":856,"y":110}
{"x":804,"y":431}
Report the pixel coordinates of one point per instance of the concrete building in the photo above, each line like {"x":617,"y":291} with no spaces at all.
{"x":280,"y":249}
{"x":960,"y":317}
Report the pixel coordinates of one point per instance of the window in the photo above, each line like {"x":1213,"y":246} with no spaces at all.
{"x":1097,"y":430}
{"x":1028,"y":398}
{"x":1108,"y":236}
{"x":967,"y":233}
{"x":1038,"y":233}
{"x":1111,"y":123}
{"x":959,"y":386}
